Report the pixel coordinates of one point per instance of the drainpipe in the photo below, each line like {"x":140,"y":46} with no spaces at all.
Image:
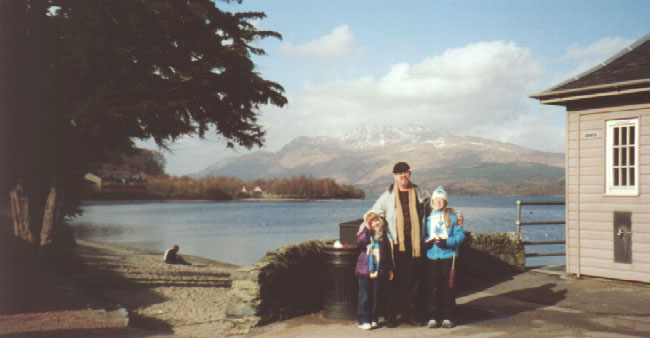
{"x":578,"y":268}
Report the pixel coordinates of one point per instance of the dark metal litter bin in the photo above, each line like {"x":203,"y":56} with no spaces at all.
{"x":342,"y":286}
{"x":348,"y":231}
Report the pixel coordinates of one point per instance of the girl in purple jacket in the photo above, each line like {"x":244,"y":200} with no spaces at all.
{"x":374,"y":265}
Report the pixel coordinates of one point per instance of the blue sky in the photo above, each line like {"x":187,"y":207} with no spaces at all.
{"x":455,"y":67}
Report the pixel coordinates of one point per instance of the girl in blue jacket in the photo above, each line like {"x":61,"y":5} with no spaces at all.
{"x":441,"y":236}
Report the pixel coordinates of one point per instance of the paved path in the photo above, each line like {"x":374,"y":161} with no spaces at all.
{"x":531,"y":304}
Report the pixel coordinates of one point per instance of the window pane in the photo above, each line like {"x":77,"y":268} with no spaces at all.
{"x":622,"y":156}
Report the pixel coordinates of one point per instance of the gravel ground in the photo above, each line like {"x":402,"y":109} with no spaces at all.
{"x":118,"y":285}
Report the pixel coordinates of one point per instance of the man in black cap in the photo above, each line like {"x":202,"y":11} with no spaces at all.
{"x":402,"y":205}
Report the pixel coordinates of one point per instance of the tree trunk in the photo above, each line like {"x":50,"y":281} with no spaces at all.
{"x":20,"y":212}
{"x":50,"y":216}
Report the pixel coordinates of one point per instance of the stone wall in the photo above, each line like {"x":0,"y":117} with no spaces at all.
{"x":485,"y":255}
{"x":289,"y":282}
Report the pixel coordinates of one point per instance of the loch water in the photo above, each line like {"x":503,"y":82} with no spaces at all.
{"x":241,"y":232}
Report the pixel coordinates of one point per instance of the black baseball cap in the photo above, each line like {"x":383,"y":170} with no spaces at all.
{"x":400,"y":167}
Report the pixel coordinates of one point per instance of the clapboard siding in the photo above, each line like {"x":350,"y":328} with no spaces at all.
{"x":644,"y":161}
{"x":606,"y":227}
{"x":596,"y":154}
{"x":643,"y":248}
{"x":618,"y":274}
{"x":591,"y":189}
{"x":590,"y":162}
{"x":598,"y":244}
{"x":599,"y":198}
{"x":589,"y":212}
{"x":597,"y":234}
{"x":598,"y":253}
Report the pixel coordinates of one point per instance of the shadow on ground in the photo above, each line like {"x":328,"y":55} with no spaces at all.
{"x":533,"y":298}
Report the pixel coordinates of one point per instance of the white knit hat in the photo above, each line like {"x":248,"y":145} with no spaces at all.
{"x":371,"y":213}
{"x":439,"y":193}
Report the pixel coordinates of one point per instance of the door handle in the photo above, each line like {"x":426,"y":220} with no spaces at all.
{"x":622,"y":232}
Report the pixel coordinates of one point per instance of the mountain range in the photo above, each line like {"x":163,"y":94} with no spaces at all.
{"x":365,"y":157}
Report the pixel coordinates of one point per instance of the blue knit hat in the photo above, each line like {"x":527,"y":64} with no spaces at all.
{"x":439,"y":193}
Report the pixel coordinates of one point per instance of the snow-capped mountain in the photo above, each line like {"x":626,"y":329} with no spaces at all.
{"x":365,"y":157}
{"x":379,"y":136}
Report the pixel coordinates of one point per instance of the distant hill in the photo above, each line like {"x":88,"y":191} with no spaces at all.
{"x":364,"y":157}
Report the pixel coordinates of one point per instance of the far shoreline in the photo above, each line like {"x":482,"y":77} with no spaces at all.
{"x":261,"y":200}
{"x":292,"y":200}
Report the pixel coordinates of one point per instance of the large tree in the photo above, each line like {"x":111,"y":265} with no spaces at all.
{"x":80,"y":79}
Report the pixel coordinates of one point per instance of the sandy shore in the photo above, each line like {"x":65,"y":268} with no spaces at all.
{"x":159,"y":299}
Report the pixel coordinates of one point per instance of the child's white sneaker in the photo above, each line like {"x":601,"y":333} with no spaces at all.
{"x":365,"y":326}
{"x":447,"y":324}
{"x":374,"y":325}
{"x":432,"y":323}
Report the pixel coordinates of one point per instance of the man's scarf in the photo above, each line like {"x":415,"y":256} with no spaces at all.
{"x":415,"y":222}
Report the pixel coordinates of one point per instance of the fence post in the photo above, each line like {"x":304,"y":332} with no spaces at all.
{"x":519,"y":218}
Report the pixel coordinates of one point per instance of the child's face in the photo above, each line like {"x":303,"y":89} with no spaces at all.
{"x":439,"y":203}
{"x":375,"y":223}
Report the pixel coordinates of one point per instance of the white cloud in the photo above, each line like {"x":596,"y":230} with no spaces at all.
{"x":338,"y":44}
{"x":543,"y":130}
{"x":594,"y":54}
{"x":480,"y":89}
{"x":601,"y":49}
{"x":478,"y":83}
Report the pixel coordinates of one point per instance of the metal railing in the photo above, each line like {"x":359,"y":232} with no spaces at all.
{"x":520,"y":223}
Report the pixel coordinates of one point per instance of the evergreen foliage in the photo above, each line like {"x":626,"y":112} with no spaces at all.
{"x":81,"y":79}
{"x":138,"y":161}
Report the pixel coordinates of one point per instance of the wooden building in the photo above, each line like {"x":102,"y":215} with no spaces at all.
{"x":608,"y":165}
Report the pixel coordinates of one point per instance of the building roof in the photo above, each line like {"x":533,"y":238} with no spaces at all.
{"x":628,"y":70}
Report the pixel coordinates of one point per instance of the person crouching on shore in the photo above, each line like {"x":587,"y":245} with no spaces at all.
{"x":442,"y":236}
{"x":374,"y":267}
{"x":172,"y":257}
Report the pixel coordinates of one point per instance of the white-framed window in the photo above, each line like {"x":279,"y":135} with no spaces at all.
{"x":622,"y":157}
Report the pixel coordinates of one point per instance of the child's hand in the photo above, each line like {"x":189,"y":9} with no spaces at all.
{"x":390,"y":275}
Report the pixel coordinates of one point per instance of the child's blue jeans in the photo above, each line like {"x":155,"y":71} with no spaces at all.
{"x":368,"y":300}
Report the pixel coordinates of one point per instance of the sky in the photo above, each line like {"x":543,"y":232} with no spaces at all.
{"x":463,"y":68}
